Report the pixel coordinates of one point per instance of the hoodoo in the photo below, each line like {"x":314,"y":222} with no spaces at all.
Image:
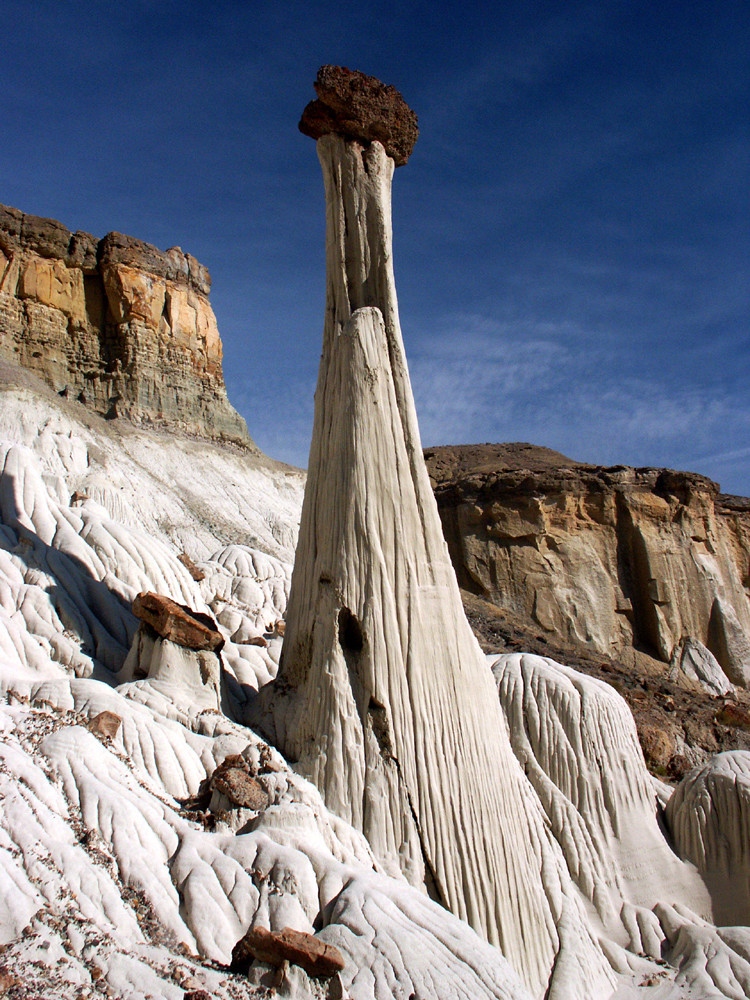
{"x":383,"y":696}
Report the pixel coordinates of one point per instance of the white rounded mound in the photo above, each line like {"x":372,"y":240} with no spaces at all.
{"x":709,"y":817}
{"x":576,"y":740}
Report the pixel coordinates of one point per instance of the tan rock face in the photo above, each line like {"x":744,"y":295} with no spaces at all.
{"x":613,"y":558}
{"x":53,"y":284}
{"x":119,"y":325}
{"x":134,"y":294}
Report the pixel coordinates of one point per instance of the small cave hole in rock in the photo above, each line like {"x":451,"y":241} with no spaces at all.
{"x":380,"y":729}
{"x":350,"y":632}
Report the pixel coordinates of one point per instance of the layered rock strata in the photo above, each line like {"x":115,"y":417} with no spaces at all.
{"x":116,"y":323}
{"x":620,"y":559}
{"x":383,"y":696}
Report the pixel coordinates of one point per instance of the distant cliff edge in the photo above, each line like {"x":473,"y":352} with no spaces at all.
{"x":625,"y":561}
{"x":125,"y":328}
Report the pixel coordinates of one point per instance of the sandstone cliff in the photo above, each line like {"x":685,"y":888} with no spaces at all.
{"x":626,"y":561}
{"x":121,"y":326}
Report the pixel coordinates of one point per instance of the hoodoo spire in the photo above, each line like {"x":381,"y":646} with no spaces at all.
{"x":384,"y":697}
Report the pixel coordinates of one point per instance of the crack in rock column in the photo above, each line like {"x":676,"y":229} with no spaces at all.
{"x":384,"y":698}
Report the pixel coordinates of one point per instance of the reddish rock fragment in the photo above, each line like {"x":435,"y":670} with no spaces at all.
{"x":254,"y":640}
{"x":317,"y":958}
{"x":187,"y":562}
{"x":177,"y":622}
{"x":734,"y":715}
{"x":7,"y":980}
{"x":105,"y":724}
{"x":233,"y":779}
{"x":360,"y":107}
{"x":657,"y":745}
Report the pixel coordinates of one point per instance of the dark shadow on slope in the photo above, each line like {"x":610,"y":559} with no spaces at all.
{"x":99,"y":619}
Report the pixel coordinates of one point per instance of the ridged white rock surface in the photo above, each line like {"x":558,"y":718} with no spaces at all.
{"x":383,"y":696}
{"x":94,"y":832}
{"x":709,"y":817}
{"x":699,"y":664}
{"x":576,"y":740}
{"x":194,"y":496}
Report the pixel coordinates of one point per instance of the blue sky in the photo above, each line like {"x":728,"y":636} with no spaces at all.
{"x":571,"y":232}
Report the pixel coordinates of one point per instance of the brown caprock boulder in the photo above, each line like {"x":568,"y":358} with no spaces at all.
{"x":317,"y":958}
{"x":177,"y":622}
{"x":361,"y":107}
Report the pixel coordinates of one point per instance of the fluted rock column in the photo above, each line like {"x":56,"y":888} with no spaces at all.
{"x":383,"y":697}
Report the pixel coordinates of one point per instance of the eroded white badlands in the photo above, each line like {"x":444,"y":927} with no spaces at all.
{"x":348,"y":764}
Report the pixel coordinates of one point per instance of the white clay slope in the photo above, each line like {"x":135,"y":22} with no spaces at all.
{"x":111,"y":877}
{"x":390,"y":707}
{"x":188,"y":492}
{"x":709,"y":816}
{"x":98,"y":862}
{"x":576,"y":740}
{"x":201,"y":889}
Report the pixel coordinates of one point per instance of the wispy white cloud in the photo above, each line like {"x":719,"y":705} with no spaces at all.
{"x":554,"y":385}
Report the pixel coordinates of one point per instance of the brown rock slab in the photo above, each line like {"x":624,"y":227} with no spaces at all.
{"x":254,"y":640}
{"x":105,"y":724}
{"x":317,"y":958}
{"x":187,"y":562}
{"x":360,"y":107}
{"x":177,"y":622}
{"x":233,"y":779}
